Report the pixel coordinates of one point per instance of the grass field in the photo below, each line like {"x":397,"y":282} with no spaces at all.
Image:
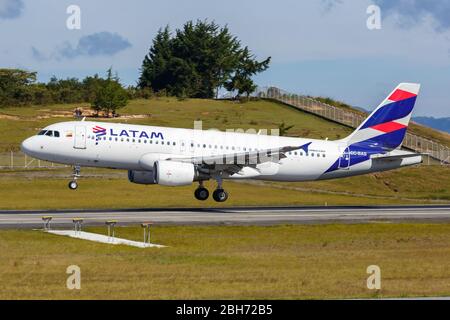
{"x":209,"y":262}
{"x":47,"y":189}
{"x":311,"y":261}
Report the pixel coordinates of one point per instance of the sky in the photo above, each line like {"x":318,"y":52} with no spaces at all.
{"x":318,"y":47}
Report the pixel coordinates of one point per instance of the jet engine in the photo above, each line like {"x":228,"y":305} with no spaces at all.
{"x":174,"y":173}
{"x":141,"y":177}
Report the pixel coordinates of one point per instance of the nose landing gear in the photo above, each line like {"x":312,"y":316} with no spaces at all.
{"x":75,"y":175}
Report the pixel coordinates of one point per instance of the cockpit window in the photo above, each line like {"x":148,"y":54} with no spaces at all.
{"x":49,"y":133}
{"x":42,"y":132}
{"x":56,"y":134}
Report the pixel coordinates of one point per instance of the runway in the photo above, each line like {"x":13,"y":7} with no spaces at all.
{"x":231,"y":215}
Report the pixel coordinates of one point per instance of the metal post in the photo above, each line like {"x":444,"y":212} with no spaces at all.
{"x":146,"y":227}
{"x":77,"y":224}
{"x":111,"y":231}
{"x":47,"y":220}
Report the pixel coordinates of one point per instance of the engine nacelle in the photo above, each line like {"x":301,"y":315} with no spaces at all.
{"x":174,"y":173}
{"x":141,"y":177}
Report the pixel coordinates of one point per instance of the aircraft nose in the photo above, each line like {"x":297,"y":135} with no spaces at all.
{"x":27,"y":146}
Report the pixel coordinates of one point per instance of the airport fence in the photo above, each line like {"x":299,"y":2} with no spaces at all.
{"x":19,"y":160}
{"x":412,"y":141}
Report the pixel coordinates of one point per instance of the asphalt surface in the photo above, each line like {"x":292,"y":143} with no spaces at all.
{"x":230,"y":215}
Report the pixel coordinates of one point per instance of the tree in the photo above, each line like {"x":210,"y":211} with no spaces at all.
{"x":199,"y":59}
{"x":154,"y":70}
{"x":248,"y":66}
{"x":110,"y":95}
{"x":14,"y":86}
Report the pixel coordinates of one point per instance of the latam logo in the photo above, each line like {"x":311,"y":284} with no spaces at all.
{"x":99,"y":131}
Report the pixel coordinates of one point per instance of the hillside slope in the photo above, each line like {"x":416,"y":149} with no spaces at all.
{"x":421,"y":184}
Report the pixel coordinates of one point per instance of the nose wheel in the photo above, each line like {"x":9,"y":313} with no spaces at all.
{"x":75,"y":175}
{"x":73,"y":185}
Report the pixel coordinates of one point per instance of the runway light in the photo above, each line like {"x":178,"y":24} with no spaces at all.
{"x":47,"y":220}
{"x":77,"y":224}
{"x":146,"y":227}
{"x":111,"y":233}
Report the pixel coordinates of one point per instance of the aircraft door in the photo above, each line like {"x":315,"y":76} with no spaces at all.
{"x":344,"y":158}
{"x":79,"y":141}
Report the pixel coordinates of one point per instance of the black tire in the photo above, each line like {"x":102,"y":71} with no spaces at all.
{"x":73,"y":185}
{"x":201,"y":194}
{"x":220,"y":195}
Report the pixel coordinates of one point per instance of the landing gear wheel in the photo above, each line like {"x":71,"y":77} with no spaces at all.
{"x":220,"y":195}
{"x":73,"y":185}
{"x":201,"y":193}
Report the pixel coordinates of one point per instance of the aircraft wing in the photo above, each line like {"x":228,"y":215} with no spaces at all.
{"x":234,"y":162}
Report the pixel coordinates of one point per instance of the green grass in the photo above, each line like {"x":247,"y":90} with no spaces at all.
{"x":44,"y":192}
{"x":212,"y":262}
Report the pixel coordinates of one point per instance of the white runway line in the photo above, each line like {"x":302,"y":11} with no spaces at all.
{"x":102,"y":238}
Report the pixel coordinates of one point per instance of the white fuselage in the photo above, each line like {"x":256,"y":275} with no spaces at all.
{"x":124,"y":146}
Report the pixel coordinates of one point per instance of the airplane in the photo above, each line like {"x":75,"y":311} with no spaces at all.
{"x":178,"y":157}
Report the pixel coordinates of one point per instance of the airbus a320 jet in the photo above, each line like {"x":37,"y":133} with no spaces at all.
{"x":178,"y":157}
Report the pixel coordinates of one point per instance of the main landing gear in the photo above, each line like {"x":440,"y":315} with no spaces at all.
{"x":219,"y":195}
{"x":75,"y":175}
{"x":201,"y":193}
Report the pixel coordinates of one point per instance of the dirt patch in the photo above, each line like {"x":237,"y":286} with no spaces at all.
{"x":8,"y":117}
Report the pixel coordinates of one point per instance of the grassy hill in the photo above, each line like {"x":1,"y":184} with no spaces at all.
{"x":422,"y":184}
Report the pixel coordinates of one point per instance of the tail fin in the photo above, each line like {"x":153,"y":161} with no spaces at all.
{"x":386,"y":126}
